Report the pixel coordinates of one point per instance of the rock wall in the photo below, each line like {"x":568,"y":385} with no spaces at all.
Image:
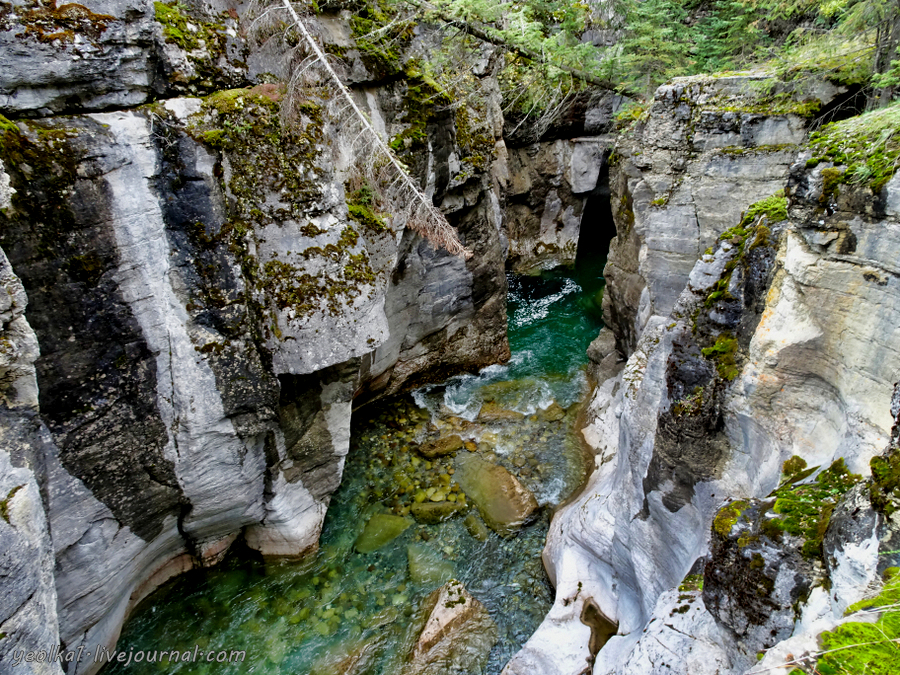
{"x":705,"y":150}
{"x":28,"y":615}
{"x":772,"y":347}
{"x":208,"y":286}
{"x":551,"y":179}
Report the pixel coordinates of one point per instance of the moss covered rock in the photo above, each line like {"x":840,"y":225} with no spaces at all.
{"x":381,"y":529}
{"x":504,"y":503}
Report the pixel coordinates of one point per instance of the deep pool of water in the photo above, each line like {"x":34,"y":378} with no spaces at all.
{"x":307,"y":617}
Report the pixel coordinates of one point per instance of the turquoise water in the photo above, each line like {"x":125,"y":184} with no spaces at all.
{"x":341,"y":606}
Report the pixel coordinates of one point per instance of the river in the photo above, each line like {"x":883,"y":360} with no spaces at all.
{"x":305,"y":617}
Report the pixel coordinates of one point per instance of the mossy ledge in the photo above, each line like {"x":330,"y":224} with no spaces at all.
{"x":274,"y":177}
{"x":868,"y":146}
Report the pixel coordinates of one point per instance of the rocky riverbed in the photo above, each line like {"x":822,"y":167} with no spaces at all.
{"x":456,"y":482}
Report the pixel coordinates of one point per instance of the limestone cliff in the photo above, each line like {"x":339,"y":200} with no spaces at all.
{"x":553,"y":172}
{"x":770,"y":345}
{"x":210,"y":290}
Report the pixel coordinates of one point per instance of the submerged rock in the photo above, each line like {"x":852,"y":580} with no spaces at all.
{"x":381,"y":529}
{"x":441,"y":446}
{"x":504,"y":503}
{"x":432,"y":513}
{"x":457,"y":636}
{"x":426,"y":566}
{"x":554,"y":413}
{"x":475,"y":527}
{"x":492,"y":412}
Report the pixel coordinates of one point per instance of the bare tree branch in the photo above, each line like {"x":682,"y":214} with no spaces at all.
{"x":424,"y":217}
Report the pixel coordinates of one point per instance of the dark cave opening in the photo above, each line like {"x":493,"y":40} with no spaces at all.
{"x":597,"y":225}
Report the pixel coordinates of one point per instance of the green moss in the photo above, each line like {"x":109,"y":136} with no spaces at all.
{"x":831,"y":179}
{"x":692,"y":582}
{"x":805,"y":510}
{"x":476,"y":148}
{"x":269,"y":157}
{"x":773,"y":207}
{"x":727,"y":517}
{"x":795,"y":470}
{"x":777,"y":104}
{"x":723,"y":353}
{"x":884,"y":490}
{"x":741,"y":151}
{"x":867,"y":145}
{"x":175,"y":28}
{"x":422,"y":100}
{"x":380,"y":38}
{"x":50,"y":23}
{"x":4,"y":503}
{"x":366,"y":217}
{"x":865,"y":647}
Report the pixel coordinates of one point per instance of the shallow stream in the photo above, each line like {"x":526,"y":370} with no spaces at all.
{"x":309,"y":617}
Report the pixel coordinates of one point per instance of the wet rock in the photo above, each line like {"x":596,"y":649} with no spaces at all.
{"x":554,"y":413}
{"x":427,"y":566}
{"x":457,"y":636}
{"x":432,"y":513}
{"x":492,"y":412}
{"x":475,"y":527}
{"x":348,"y":658}
{"x":440,"y":447}
{"x":504,"y":503}
{"x":381,"y":529}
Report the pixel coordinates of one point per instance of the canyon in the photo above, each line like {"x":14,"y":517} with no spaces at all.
{"x":198,"y":290}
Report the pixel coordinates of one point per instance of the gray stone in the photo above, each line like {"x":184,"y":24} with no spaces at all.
{"x":602,"y":346}
{"x":457,"y":634}
{"x":674,"y":192}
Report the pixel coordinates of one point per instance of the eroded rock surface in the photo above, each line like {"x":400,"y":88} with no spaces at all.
{"x":504,"y":503}
{"x":207,"y":302}
{"x":457,"y":635}
{"x":735,"y":365}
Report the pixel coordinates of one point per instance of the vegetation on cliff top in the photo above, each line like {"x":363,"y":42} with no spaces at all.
{"x":867,"y":145}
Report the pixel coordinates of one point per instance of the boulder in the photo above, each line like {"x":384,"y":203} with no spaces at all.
{"x":492,"y":412}
{"x":554,"y":413}
{"x":432,"y":513}
{"x":426,"y":566}
{"x":475,"y":527}
{"x":381,"y":529}
{"x":457,"y":635}
{"x":442,"y":446}
{"x":504,"y":503}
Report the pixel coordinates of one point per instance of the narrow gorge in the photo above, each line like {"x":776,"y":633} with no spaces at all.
{"x":647,"y":423}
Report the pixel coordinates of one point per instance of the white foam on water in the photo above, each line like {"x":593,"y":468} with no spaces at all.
{"x":551,"y":492}
{"x":540,"y":309}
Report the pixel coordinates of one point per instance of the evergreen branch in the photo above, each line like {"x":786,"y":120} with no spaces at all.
{"x":484,"y":34}
{"x":426,"y":219}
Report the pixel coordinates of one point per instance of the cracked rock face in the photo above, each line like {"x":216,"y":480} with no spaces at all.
{"x":774,"y":367}
{"x":206,"y":306}
{"x":28,"y":618}
{"x":681,"y":178}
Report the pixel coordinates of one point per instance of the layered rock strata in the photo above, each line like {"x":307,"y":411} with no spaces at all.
{"x":771,"y":345}
{"x":208,"y":293}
